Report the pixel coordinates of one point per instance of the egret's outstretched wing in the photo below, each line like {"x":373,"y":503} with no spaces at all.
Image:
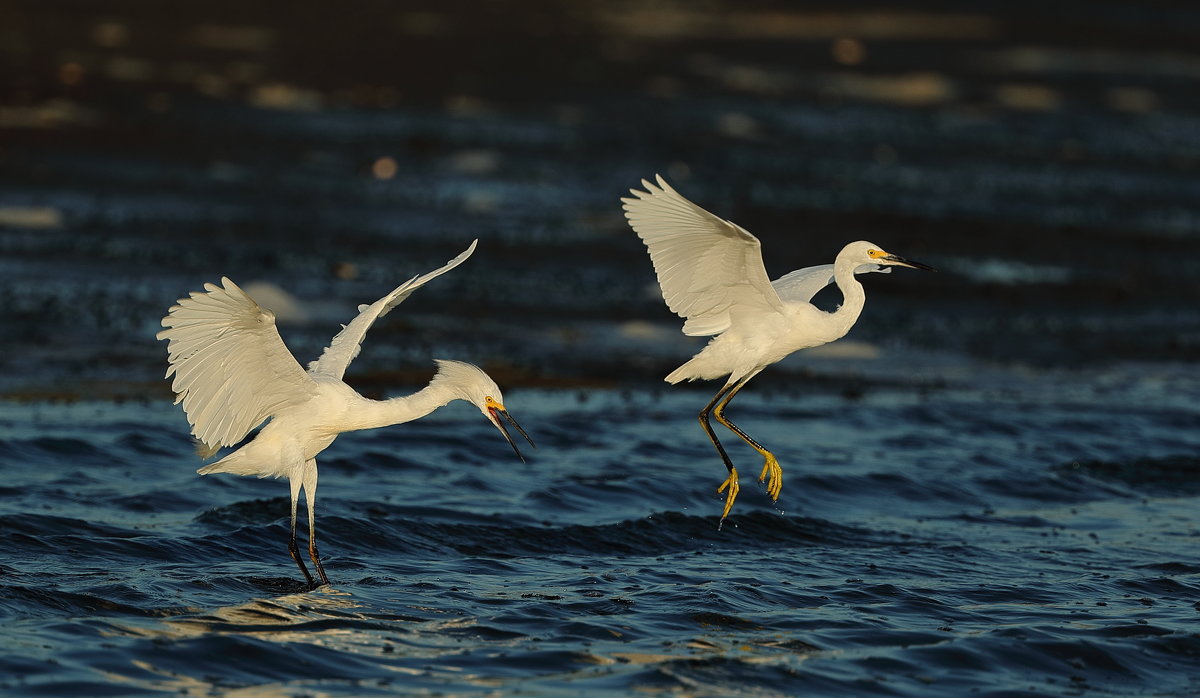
{"x":338,"y":355}
{"x":801,"y":285}
{"x":231,"y":368}
{"x":708,"y":268}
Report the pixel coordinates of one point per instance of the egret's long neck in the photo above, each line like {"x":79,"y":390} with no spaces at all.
{"x":853,"y":295}
{"x":372,"y":414}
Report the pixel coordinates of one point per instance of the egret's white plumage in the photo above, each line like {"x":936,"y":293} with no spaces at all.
{"x":711,"y":274}
{"x":232,"y":372}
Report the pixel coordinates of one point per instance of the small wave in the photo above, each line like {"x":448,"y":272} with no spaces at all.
{"x":437,"y":531}
{"x":660,"y":533}
{"x":255,"y":511}
{"x":1173,"y":476}
{"x":46,"y":527}
{"x":54,"y":602}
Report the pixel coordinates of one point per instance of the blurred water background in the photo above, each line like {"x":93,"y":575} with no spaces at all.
{"x":990,"y":484}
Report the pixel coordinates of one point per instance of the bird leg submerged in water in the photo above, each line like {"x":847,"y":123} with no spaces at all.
{"x":309,"y":484}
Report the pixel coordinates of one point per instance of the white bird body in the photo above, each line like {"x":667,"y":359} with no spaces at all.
{"x":232,"y":372}
{"x":712,"y":274}
{"x":742,"y":351}
{"x":298,"y":432}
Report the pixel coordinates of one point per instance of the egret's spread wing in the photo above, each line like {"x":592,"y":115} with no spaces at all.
{"x":231,"y":368}
{"x":801,"y":285}
{"x":338,"y":355}
{"x":710,"y":269}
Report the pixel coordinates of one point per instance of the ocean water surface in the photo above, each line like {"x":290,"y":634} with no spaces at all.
{"x":1018,"y":539}
{"x":990,"y":485}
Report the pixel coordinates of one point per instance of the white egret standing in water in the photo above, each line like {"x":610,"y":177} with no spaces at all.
{"x":711,"y":274}
{"x":232,"y":372}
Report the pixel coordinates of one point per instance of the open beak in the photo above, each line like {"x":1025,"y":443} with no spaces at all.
{"x":497,"y":412}
{"x":900,"y":261}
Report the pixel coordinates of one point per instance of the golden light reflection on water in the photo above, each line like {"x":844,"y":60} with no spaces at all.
{"x":285,"y":96}
{"x":1049,"y":60}
{"x":396,"y":642}
{"x":1132,"y":99}
{"x":36,"y":217}
{"x":848,"y":51}
{"x":1028,"y":97}
{"x":684,"y":22}
{"x":55,"y":113}
{"x":128,"y":69}
{"x":917,"y":88}
{"x":911,"y":89}
{"x":224,"y":37}
{"x":384,"y":168}
{"x":71,"y":73}
{"x":110,"y":34}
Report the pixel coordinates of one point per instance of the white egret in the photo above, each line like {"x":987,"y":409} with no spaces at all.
{"x":232,"y":372}
{"x":711,"y":274}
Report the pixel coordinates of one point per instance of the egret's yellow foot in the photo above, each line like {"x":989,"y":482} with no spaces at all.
{"x":771,"y":467}
{"x":732,"y":483}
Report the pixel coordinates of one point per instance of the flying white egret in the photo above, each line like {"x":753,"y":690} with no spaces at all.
{"x":711,"y":274}
{"x":232,"y":371}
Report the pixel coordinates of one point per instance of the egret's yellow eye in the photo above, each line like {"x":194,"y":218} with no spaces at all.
{"x":490,"y":401}
{"x":874,"y":253}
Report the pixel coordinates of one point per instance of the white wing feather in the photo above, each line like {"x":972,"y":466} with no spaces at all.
{"x":801,"y":285}
{"x":709,"y":268}
{"x":345,"y":346}
{"x":232,"y":369}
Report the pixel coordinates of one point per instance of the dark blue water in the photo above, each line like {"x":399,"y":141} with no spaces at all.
{"x":1023,"y":538}
{"x":990,"y":486}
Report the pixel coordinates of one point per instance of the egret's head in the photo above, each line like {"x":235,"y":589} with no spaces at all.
{"x":470,"y":383}
{"x":863,"y":252}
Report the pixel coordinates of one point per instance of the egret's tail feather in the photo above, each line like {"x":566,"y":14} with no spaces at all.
{"x":678,"y":374}
{"x":238,"y":464}
{"x":691,"y":370}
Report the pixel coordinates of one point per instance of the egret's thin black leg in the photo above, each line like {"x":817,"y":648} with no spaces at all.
{"x":770,"y":463}
{"x":312,"y":550}
{"x":709,"y":430}
{"x":295,"y":551}
{"x":316,"y":558}
{"x":309,"y":484}
{"x":731,"y":482}
{"x":719,"y":413}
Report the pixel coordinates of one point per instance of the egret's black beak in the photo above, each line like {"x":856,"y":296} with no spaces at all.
{"x":498,"y":411}
{"x":900,"y":261}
